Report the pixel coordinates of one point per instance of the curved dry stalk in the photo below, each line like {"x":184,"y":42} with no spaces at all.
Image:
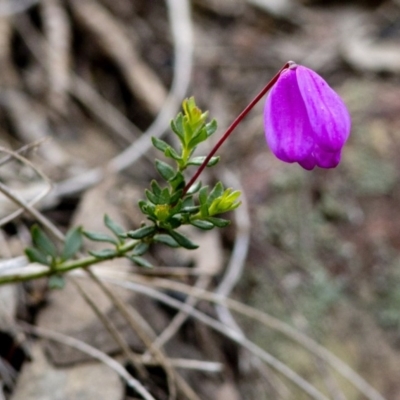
{"x":269,"y":321}
{"x":13,"y":7}
{"x":57,"y":62}
{"x":145,"y":333}
{"x":228,"y":332}
{"x":180,"y":318}
{"x":23,"y":150}
{"x":23,"y":205}
{"x":141,"y":80}
{"x":133,"y":358}
{"x":181,"y":26}
{"x":139,"y":331}
{"x":93,"y":352}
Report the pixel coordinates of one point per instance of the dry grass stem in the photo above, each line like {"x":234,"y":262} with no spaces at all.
{"x":93,"y":352}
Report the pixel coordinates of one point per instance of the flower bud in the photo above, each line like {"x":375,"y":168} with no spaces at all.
{"x":305,"y":120}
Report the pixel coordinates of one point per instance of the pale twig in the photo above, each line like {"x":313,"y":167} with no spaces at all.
{"x":132,"y":317}
{"x":115,"y":42}
{"x":181,"y":25}
{"x":230,"y":333}
{"x":23,"y":150}
{"x":271,"y":322}
{"x":119,"y":339}
{"x":12,"y":7}
{"x":180,"y":318}
{"x":184,"y":363}
{"x":138,"y":330}
{"x":93,"y":352}
{"x":8,"y":193}
{"x":57,"y":29}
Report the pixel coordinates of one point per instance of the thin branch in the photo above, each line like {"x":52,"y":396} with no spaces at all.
{"x":230,"y":333}
{"x":273,"y":323}
{"x":93,"y":352}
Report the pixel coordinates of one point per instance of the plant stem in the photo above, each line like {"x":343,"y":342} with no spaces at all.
{"x":67,"y":266}
{"x":234,"y":124}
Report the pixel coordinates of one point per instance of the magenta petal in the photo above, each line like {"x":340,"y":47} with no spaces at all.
{"x":328,"y":115}
{"x":308,"y":163}
{"x":287,"y":127}
{"x":326,"y":159}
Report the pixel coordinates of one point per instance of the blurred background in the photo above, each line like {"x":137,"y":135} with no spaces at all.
{"x":82,"y":80}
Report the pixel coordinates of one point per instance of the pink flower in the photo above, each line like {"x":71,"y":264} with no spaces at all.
{"x":305,"y":120}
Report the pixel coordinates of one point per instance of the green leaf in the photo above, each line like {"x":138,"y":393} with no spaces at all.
{"x":35,"y":255}
{"x":190,"y":210}
{"x":183,"y":240}
{"x":197,"y":139}
{"x":178,"y":181}
{"x":166,"y":239}
{"x":152,"y":197}
{"x":171,"y":153}
{"x":100,"y":237}
{"x":211,"y":127}
{"x":165,"y":170}
{"x":203,"y":194}
{"x":103,"y":254}
{"x":155,"y":187}
{"x":43,"y":242}
{"x":175,"y":221}
{"x":177,"y":127}
{"x":165,"y":196}
{"x":113,"y":226}
{"x":142,"y":232}
{"x":140,"y":261}
{"x":73,"y":243}
{"x":219,"y":222}
{"x":140,"y":249}
{"x":194,"y":188}
{"x":199,"y":160}
{"x":201,"y":224}
{"x":143,"y":206}
{"x":56,"y":282}
{"x":217,"y":191}
{"x":159,"y":144}
{"x":176,"y":197}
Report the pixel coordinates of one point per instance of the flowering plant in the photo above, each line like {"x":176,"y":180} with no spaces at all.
{"x":305,"y":122}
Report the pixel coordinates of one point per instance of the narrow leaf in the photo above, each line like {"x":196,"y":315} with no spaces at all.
{"x":35,"y":255}
{"x":140,"y":249}
{"x":100,"y":237}
{"x":73,"y":243}
{"x":211,"y":127}
{"x":152,"y":197}
{"x":171,"y":153}
{"x":183,"y":240}
{"x":165,"y":170}
{"x":159,"y":144}
{"x":140,"y":261}
{"x":43,"y":242}
{"x":56,"y":282}
{"x":166,"y":239}
{"x":155,"y":187}
{"x":113,"y":226}
{"x":199,"y":160}
{"x":142,"y":232}
{"x":177,"y":181}
{"x":201,"y":224}
{"x":194,"y":188}
{"x":217,"y":191}
{"x":104,"y":254}
{"x":219,"y":222}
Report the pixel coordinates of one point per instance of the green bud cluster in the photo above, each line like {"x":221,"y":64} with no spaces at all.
{"x":168,"y":206}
